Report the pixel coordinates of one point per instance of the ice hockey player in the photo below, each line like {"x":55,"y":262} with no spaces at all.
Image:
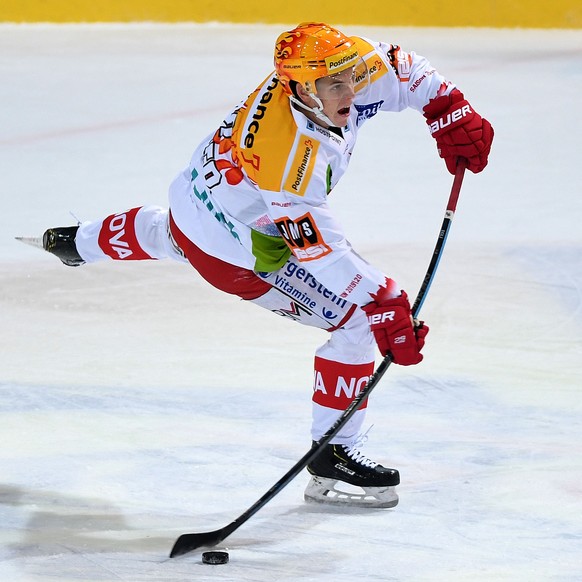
{"x":250,"y":213}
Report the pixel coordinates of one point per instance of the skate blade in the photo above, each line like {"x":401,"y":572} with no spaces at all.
{"x":325,"y":491}
{"x":33,"y":241}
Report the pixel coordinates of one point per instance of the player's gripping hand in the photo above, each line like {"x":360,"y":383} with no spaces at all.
{"x":395,"y":331}
{"x":460,"y":132}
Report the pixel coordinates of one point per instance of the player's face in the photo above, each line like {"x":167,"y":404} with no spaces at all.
{"x":337,"y":95}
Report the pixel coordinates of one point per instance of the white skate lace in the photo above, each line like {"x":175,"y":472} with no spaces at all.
{"x":353,"y":452}
{"x":359,"y":457}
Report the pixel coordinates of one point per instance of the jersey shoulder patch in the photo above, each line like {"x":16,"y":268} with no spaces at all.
{"x":401,"y":62}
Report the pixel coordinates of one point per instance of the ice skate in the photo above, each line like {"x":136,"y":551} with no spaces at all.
{"x":60,"y":242}
{"x":342,"y":475}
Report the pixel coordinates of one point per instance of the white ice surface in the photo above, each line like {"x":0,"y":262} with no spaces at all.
{"x":138,"y":403}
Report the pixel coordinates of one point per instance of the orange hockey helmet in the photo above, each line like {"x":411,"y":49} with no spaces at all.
{"x":310,"y":51}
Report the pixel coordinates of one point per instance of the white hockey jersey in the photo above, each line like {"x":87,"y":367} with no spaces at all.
{"x":262,"y":180}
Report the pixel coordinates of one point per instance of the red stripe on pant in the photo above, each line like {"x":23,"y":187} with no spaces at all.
{"x":224,"y":276}
{"x":335,"y":384}
{"x":117,"y":237}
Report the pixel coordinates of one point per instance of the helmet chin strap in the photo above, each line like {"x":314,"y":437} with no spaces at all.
{"x":317,"y":111}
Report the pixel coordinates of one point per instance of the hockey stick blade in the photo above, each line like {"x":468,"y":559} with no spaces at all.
{"x":191,"y":541}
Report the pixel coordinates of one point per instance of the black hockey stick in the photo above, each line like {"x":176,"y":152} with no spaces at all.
{"x":191,"y":541}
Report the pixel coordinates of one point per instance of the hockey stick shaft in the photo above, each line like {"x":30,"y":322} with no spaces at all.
{"x":442,"y":238}
{"x":191,"y":541}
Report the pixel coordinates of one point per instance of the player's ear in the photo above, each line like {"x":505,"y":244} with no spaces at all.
{"x":303,"y":95}
{"x":300,"y":91}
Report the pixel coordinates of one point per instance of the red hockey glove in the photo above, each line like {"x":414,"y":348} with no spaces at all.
{"x":394,"y":329}
{"x":459,"y":131}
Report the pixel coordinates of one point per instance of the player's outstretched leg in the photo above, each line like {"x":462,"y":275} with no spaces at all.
{"x":60,"y":241}
{"x":137,"y":234}
{"x":369,"y":484}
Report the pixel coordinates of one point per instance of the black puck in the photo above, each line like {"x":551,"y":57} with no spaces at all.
{"x":215,"y":557}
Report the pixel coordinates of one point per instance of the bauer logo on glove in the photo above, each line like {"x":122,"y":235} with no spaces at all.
{"x":381,"y":317}
{"x":452,"y":117}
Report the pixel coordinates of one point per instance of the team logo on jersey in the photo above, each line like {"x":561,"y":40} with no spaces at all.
{"x":302,"y":166}
{"x":303,"y":237}
{"x":366,"y":111}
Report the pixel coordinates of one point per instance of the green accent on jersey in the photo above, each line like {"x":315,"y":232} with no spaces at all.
{"x":271,"y":252}
{"x":328,"y":179}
